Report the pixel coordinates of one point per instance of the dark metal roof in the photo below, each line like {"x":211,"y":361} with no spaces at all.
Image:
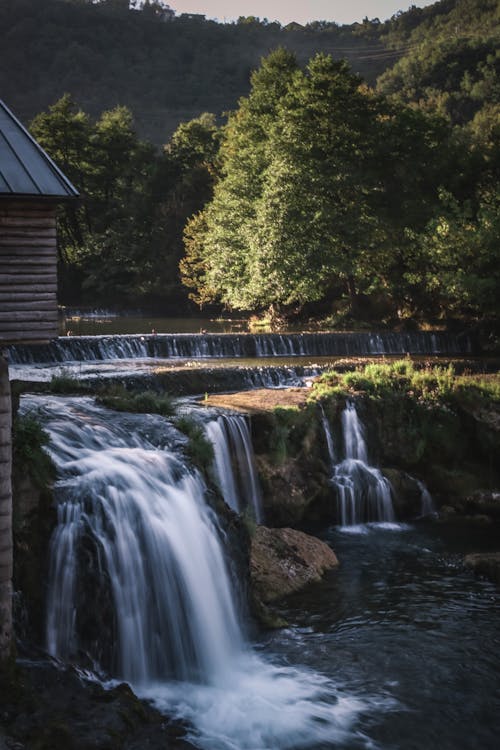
{"x":25,"y":169}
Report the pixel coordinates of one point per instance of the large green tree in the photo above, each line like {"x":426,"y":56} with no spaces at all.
{"x":218,"y":265}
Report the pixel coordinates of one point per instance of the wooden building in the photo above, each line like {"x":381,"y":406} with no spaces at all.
{"x":31,"y":186}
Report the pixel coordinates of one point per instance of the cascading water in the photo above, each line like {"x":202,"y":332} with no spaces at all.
{"x":157,"y":548}
{"x":427,"y":509}
{"x":133,"y":517}
{"x":363,"y":493}
{"x":185,"y":345}
{"x":234,"y":463}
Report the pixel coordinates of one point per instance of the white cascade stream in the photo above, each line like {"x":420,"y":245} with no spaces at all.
{"x":363,"y":493}
{"x":124,"y":491}
{"x":234,"y":463}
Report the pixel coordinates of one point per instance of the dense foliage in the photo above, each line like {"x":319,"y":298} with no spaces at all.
{"x":164,"y":71}
{"x":122,"y":243}
{"x":330,"y":192}
{"x":317,"y":191}
{"x":426,"y":384}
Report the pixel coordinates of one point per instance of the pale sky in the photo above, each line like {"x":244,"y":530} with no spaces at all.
{"x":284,"y":11}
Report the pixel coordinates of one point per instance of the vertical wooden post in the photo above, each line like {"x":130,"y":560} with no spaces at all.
{"x":5,"y":512}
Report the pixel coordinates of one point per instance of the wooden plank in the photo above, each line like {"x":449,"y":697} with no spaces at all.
{"x":28,"y":241}
{"x":33,"y":304}
{"x":22,"y":263}
{"x":23,"y":252}
{"x":28,"y":278}
{"x":15,"y":298}
{"x":40,"y":336}
{"x":18,"y":316}
{"x":34,"y":288}
{"x":14,"y":235}
{"x":37,"y":332}
{"x":25,"y":221}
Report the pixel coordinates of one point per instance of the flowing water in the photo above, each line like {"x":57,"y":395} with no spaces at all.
{"x":363,"y":493}
{"x":397,"y":649}
{"x":235,"y":469}
{"x":402,"y":618}
{"x":209,"y":345}
{"x":139,"y":583}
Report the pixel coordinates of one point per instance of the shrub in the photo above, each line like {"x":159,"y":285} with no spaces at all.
{"x":199,"y":449}
{"x":28,"y":441}
{"x":144,"y":402}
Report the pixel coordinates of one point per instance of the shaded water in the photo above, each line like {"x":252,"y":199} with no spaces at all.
{"x":403,"y":619}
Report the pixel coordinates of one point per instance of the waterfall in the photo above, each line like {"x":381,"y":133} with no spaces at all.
{"x":157,"y":546}
{"x":234,"y":463}
{"x":212,"y":345}
{"x":138,"y":554}
{"x":363,"y":493}
{"x":427,"y":509}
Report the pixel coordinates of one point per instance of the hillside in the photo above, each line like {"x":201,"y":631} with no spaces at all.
{"x":452,"y":60}
{"x":165,"y":72}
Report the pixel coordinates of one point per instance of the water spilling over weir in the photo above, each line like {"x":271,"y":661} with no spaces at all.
{"x":186,"y":346}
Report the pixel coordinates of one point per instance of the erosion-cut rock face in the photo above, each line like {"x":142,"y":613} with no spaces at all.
{"x":406,"y":493}
{"x":485,"y":564}
{"x":285,"y":560}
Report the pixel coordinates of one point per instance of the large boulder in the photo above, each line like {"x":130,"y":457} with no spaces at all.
{"x":285,"y":560}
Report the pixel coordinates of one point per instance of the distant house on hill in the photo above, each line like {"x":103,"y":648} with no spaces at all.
{"x":31,"y":186}
{"x":192,"y":17}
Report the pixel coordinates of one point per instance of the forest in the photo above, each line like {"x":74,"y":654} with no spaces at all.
{"x":344,"y":172}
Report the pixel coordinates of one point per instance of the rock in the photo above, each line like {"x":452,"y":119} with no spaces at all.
{"x":48,"y":707}
{"x":285,"y":560}
{"x":407,"y":493}
{"x":485,"y":564}
{"x":486,"y":503}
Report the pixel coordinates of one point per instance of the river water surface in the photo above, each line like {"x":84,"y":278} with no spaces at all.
{"x":401,"y":618}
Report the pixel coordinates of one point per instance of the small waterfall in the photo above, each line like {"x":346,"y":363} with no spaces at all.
{"x":328,"y":436}
{"x":234,"y":463}
{"x":428,"y":509}
{"x":363,"y":493}
{"x":213,"y":345}
{"x":136,"y":540}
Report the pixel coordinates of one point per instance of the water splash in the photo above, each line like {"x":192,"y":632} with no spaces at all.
{"x":126,"y":495}
{"x":363,"y":493}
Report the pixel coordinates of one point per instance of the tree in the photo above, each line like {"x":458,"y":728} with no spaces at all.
{"x":229,"y":220}
{"x":290,"y":212}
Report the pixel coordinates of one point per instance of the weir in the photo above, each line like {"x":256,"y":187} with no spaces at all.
{"x":186,"y":346}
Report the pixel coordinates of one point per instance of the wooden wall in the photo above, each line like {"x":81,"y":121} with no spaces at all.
{"x":28,"y":271}
{"x":5,"y":514}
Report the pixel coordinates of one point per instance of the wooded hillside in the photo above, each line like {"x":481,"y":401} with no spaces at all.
{"x":165,"y":72}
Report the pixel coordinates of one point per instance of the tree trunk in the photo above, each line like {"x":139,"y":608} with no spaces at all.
{"x":5,"y":513}
{"x":353,"y":295}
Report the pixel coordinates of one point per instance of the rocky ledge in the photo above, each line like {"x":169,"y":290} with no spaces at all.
{"x":285,"y":560}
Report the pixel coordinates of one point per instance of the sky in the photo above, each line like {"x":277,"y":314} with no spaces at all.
{"x":284,"y":11}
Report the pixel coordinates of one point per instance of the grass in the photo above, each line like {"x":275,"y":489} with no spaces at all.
{"x":199,"y":448}
{"x":28,"y":441}
{"x":431,"y":384}
{"x":143,"y":402}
